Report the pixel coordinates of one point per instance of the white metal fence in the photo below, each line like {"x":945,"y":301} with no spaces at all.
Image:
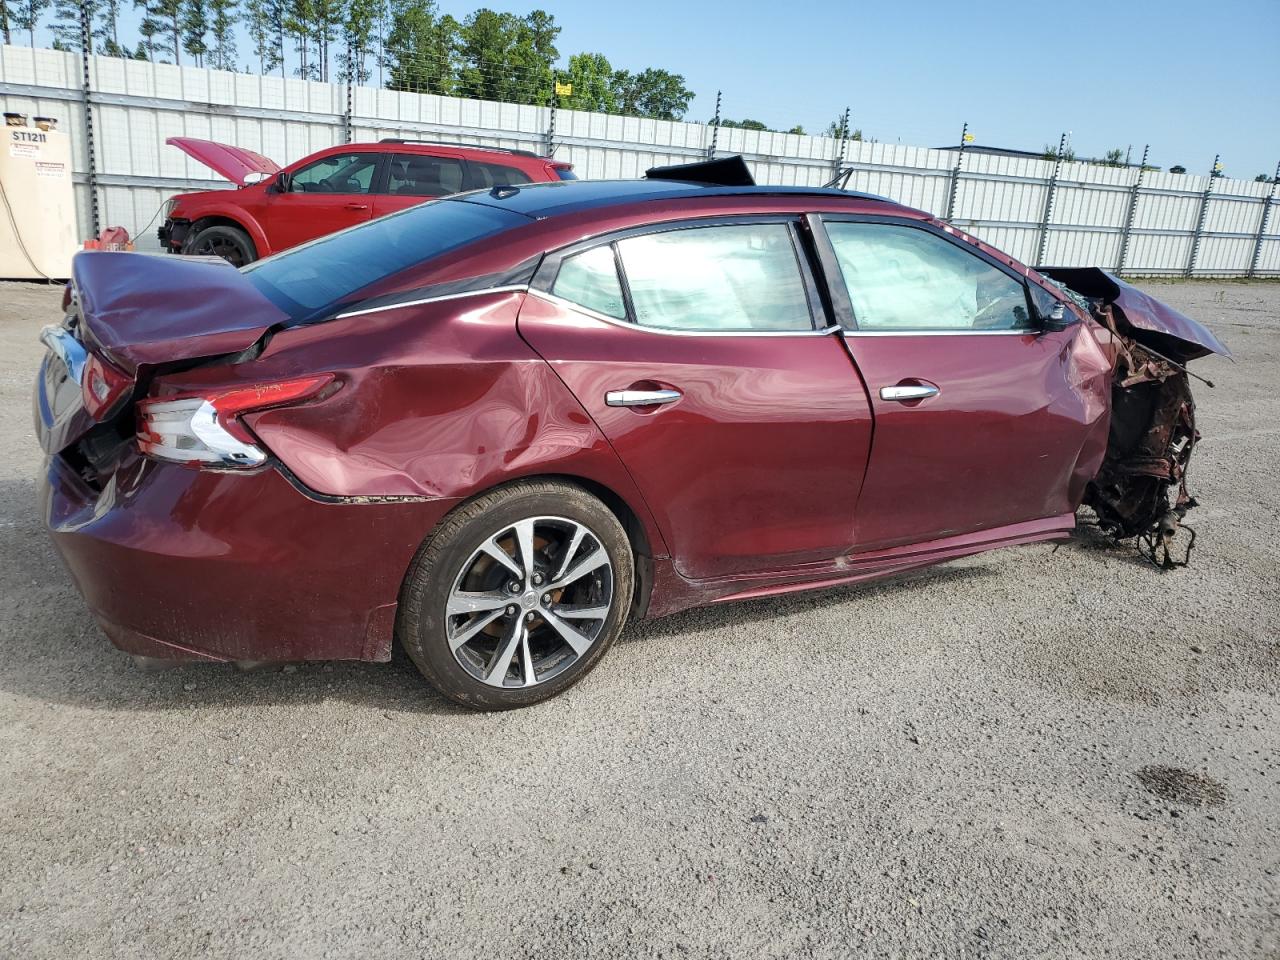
{"x":1068,"y":214}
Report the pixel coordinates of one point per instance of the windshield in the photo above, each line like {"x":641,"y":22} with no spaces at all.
{"x":307,"y":280}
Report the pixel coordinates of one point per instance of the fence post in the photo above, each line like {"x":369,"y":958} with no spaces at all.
{"x":346,"y":115}
{"x":1043,"y":246}
{"x":1133,"y":211}
{"x":1204,"y":213}
{"x":955,"y":174}
{"x":1262,"y":226}
{"x":86,"y":40}
{"x":715,"y":130}
{"x":551,"y":126}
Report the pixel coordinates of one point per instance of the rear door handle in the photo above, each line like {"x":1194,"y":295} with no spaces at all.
{"x":641,"y":398}
{"x":903,"y":392}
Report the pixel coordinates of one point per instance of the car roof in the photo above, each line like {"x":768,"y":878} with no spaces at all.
{"x":541,"y":200}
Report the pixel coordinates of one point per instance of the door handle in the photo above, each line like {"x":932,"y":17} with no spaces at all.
{"x":904,"y":392}
{"x":357,"y":206}
{"x":641,"y":398}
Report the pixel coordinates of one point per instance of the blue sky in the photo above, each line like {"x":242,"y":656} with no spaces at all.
{"x":1193,"y":79}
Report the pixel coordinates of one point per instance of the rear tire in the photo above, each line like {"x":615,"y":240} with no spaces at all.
{"x":493,"y":629}
{"x":230,"y":243}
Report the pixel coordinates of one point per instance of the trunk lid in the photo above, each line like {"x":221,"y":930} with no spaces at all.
{"x":141,"y":309}
{"x":132,"y":310}
{"x":1149,"y":321}
{"x":234,"y":163}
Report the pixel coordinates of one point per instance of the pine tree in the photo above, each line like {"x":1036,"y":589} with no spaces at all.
{"x":195,"y":26}
{"x":107,"y":29}
{"x":66,"y":27}
{"x":421,"y":48}
{"x":4,"y":22}
{"x":162,"y":17}
{"x":222,"y":26}
{"x":299,"y":16}
{"x":26,"y":16}
{"x":264,"y":21}
{"x":357,"y":37}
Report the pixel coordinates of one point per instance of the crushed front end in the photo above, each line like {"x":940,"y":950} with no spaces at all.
{"x":1140,"y":491}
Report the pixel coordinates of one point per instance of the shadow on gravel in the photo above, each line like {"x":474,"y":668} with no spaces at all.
{"x":1087,"y":538}
{"x":54,"y":650}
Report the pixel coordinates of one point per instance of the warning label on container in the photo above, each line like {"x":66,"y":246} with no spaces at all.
{"x":29,"y":151}
{"x":50,"y":169}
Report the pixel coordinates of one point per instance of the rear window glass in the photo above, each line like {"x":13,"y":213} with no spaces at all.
{"x":308,"y":279}
{"x":566,"y":174}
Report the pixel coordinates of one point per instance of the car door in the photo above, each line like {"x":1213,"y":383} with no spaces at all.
{"x":414,"y":178}
{"x":984,"y":418}
{"x":701,"y":351}
{"x":323,"y":196}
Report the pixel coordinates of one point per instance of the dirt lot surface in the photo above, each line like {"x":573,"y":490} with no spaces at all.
{"x":1039,"y":752}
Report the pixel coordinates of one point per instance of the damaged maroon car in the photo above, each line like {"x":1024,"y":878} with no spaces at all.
{"x":497,"y":427}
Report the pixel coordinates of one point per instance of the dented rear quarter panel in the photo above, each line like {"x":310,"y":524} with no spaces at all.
{"x":437,"y":401}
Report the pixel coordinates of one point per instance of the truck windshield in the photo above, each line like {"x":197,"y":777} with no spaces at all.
{"x":308,"y":280}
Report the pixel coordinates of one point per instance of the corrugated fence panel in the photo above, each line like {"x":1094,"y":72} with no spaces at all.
{"x":137,"y":105}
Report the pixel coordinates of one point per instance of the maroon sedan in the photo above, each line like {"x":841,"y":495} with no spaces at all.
{"x":499,"y":426}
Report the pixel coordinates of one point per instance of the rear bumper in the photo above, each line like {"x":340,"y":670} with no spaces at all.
{"x":186,"y":564}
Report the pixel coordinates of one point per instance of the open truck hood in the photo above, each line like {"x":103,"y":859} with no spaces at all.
{"x":144,"y":309}
{"x":1174,"y":333}
{"x":234,"y":163}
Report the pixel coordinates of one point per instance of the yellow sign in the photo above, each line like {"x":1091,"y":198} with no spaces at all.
{"x":968,"y":138}
{"x":564,"y":89}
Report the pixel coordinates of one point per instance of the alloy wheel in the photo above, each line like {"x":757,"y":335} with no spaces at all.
{"x":529,"y":602}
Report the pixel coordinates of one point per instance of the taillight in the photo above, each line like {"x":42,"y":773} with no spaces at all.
{"x":206,"y":429}
{"x":103,"y":387}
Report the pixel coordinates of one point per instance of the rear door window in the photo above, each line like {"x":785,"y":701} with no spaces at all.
{"x":486,"y":175}
{"x":590,"y":280}
{"x":735,"y":277}
{"x":418,"y":175}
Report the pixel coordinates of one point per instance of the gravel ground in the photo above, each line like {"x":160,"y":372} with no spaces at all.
{"x":1039,"y":752}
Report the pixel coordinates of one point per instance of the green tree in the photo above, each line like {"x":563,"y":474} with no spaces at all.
{"x":743,"y":124}
{"x":162,"y":17}
{"x":26,"y":16}
{"x":264,"y":22}
{"x":298,"y":20}
{"x":195,"y":27}
{"x":65,"y":26}
{"x":421,"y":48}
{"x":833,"y":130}
{"x":592,"y":80}
{"x":107,"y":29}
{"x":798,"y":130}
{"x":1113,"y":158}
{"x":652,"y":93}
{"x":506,"y":57}
{"x":222,"y":33}
{"x":358,"y":25}
{"x":5,"y":36}
{"x":326,"y":24}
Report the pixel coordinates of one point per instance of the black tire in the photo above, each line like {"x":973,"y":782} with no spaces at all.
{"x":230,"y":243}
{"x":422,"y":625}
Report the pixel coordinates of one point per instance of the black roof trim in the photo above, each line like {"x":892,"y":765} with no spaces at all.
{"x":723,"y":171}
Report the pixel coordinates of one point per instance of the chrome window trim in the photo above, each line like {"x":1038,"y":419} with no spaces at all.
{"x":942,"y":333}
{"x":512,"y":288}
{"x":661,"y":331}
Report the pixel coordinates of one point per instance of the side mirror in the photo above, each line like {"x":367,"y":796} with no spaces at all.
{"x":1057,"y":318}
{"x":253,"y":179}
{"x":283,"y":182}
